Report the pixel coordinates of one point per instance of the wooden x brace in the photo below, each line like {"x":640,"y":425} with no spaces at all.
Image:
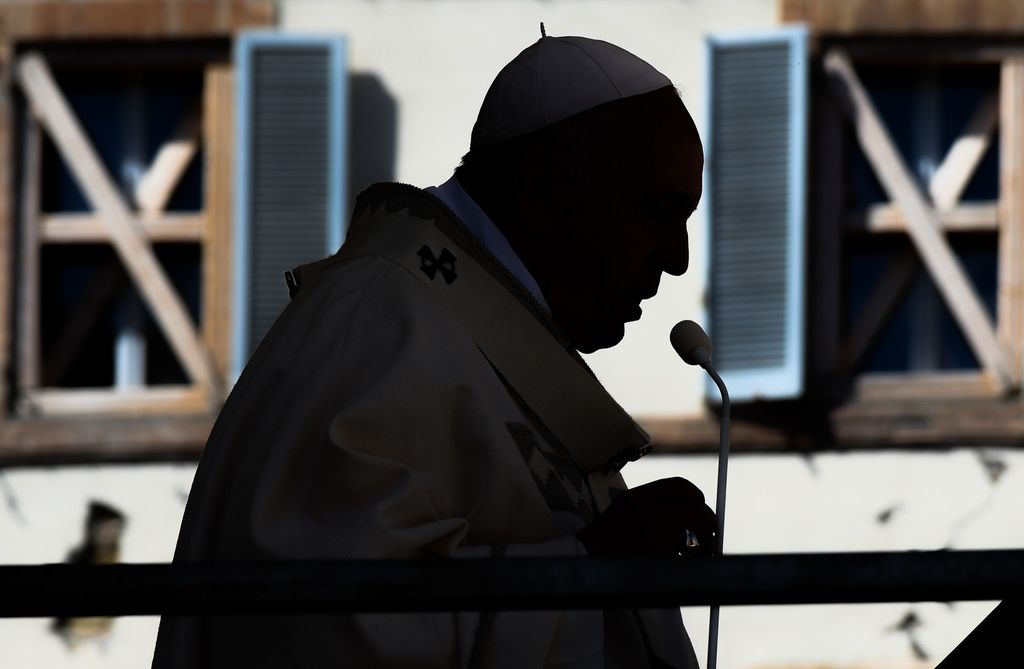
{"x":126,"y":235}
{"x":946,"y":186}
{"x":922,"y":221}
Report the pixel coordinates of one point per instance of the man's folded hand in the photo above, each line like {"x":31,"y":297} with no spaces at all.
{"x":652,"y":520}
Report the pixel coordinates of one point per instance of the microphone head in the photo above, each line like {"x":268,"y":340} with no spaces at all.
{"x":687,"y":339}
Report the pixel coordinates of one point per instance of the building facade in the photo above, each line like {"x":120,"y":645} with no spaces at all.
{"x":872,"y":327}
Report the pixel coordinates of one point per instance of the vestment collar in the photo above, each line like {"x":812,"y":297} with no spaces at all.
{"x":480,"y":224}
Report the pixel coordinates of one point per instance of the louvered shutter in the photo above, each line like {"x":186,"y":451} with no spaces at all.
{"x":289,"y":208}
{"x":755,"y":176}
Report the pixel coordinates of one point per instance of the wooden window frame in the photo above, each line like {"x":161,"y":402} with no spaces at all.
{"x":91,"y":438}
{"x":117,"y":222}
{"x":925,"y":223}
{"x":939,"y":409}
{"x":42,"y":424}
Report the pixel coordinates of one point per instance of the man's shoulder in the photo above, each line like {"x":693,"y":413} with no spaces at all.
{"x":365,"y":288}
{"x":363,"y":320}
{"x":378,"y":201}
{"x":385,"y":200}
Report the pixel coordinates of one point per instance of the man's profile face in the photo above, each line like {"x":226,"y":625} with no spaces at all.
{"x":622,"y":213}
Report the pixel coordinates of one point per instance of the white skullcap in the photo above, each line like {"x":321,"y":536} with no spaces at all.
{"x":555,"y":78}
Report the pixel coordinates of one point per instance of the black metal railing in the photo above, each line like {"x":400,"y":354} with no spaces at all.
{"x":507,"y":584}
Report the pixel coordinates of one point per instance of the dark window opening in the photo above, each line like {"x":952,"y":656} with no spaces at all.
{"x":96,"y":328}
{"x":127,"y":118}
{"x":924,"y":109}
{"x":921,"y":334}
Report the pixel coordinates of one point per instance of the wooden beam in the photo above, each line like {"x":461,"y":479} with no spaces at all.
{"x":965,"y":217}
{"x":791,"y":11}
{"x":955,"y":172}
{"x":922,"y":223}
{"x":700,"y":433}
{"x":86,"y":439}
{"x":218,"y":258}
{"x":7,"y":223}
{"x":867,"y":425}
{"x":157,"y":184}
{"x":891,"y":287}
{"x":903,"y":17}
{"x":962,"y":411}
{"x":955,"y":422}
{"x":924,"y":387}
{"x":1010,"y":303}
{"x":935,"y":50}
{"x":90,"y":228}
{"x":28,"y":278}
{"x":136,"y":19}
{"x":952,"y":422}
{"x":92,"y":401}
{"x":131,"y":245}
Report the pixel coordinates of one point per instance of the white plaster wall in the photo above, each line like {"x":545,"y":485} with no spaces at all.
{"x":42,"y":517}
{"x":437,"y":58}
{"x":832,"y":503}
{"x":777,"y":504}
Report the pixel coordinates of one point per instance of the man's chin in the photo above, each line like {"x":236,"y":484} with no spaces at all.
{"x":597,"y":338}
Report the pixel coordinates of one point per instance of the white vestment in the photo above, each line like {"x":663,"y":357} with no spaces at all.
{"x":413,"y":400}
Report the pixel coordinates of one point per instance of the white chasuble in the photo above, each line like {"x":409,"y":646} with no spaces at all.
{"x":412,"y":401}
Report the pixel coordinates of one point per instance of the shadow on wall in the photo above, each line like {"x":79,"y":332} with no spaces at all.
{"x":373,"y":133}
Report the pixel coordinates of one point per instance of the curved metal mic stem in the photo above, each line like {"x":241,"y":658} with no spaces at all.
{"x":723,"y":472}
{"x":694,"y":346}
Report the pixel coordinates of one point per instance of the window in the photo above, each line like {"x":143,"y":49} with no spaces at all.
{"x":114,"y":230}
{"x":162,"y":190}
{"x":928,"y":110}
{"x":926,"y":188}
{"x":904,"y":281}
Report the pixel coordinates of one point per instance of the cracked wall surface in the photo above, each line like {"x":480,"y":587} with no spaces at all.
{"x":880,"y":501}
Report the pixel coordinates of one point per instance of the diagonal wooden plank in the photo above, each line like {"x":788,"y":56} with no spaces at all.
{"x":49,"y":106}
{"x":953,"y":174}
{"x":922,"y":222}
{"x":157,"y":184}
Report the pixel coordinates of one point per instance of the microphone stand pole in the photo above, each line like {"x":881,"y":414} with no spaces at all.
{"x":694,"y":346}
{"x":723,"y":472}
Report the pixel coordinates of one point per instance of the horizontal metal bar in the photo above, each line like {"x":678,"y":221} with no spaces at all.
{"x":507,"y":584}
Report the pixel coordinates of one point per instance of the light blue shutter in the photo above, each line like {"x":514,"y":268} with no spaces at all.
{"x":290,"y":151}
{"x":755,"y":176}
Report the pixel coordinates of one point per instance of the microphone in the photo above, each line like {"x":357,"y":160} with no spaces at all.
{"x":694,"y":346}
{"x":691,"y":343}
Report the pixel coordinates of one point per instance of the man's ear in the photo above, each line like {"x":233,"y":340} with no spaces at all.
{"x":535,"y":185}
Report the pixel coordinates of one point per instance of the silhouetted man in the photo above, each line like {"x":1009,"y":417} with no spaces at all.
{"x":423,"y":394}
